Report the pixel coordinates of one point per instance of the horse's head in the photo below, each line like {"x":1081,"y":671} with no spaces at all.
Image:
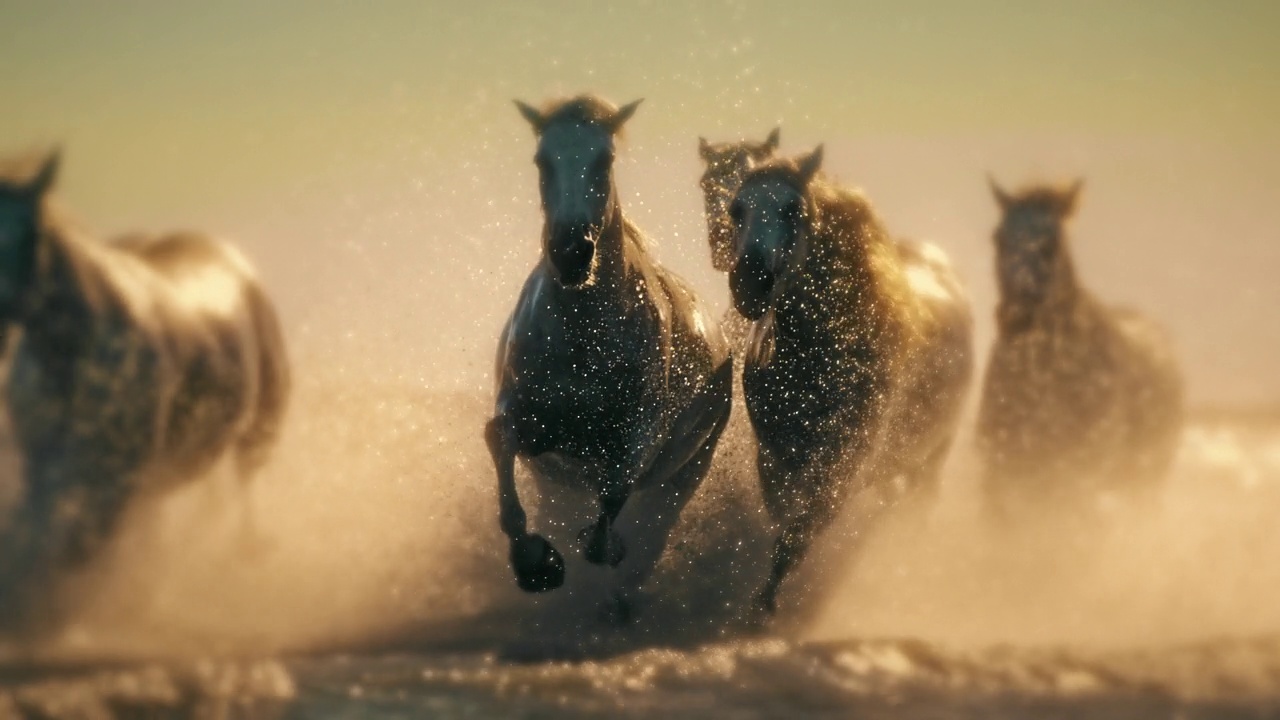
{"x":575,"y":167}
{"x":1031,"y":242}
{"x":773,"y":215}
{"x":21,"y":204}
{"x":727,"y":163}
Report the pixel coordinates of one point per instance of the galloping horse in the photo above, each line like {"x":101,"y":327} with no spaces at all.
{"x":727,"y":163}
{"x":611,"y":378}
{"x":139,"y":364}
{"x":859,"y":356}
{"x":1076,"y":392}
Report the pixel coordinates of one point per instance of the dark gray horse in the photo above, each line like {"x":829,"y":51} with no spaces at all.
{"x":859,"y":357}
{"x":726,"y":164}
{"x":611,"y":379}
{"x":1080,"y":399}
{"x":139,"y":364}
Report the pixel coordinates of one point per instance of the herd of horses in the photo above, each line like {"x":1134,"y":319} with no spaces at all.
{"x":140,"y":362}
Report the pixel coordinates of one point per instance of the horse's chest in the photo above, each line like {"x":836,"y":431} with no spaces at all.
{"x":1050,"y":393}
{"x":804,"y":398}
{"x":588,"y":398}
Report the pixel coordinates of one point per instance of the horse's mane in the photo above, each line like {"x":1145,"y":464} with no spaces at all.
{"x":70,"y":259}
{"x":1045,"y":195}
{"x":588,"y":108}
{"x":638,"y":238}
{"x":845,"y":216}
{"x":850,"y":233}
{"x":729,"y":148}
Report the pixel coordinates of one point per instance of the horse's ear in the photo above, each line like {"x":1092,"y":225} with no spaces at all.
{"x":624,"y":114}
{"x":704,"y":148}
{"x":775,"y":137}
{"x":810,"y":164}
{"x":532,"y":115}
{"x":1002,"y":197}
{"x":1071,"y":196}
{"x":47,"y":175}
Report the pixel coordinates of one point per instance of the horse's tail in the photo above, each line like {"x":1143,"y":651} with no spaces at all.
{"x":254,"y":446}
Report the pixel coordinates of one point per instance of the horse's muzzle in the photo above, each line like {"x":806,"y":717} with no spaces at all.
{"x":572,"y":254}
{"x":751,"y":284}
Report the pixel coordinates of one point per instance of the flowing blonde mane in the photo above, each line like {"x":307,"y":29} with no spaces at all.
{"x":853,"y":255}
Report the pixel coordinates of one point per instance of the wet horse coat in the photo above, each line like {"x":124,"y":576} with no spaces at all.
{"x":859,"y":357}
{"x":140,"y":364}
{"x":1080,"y":399}
{"x":727,"y":164}
{"x":610,"y":376}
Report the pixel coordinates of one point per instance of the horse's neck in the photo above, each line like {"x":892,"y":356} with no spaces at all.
{"x":71,"y":282}
{"x":841,"y":296}
{"x":622,"y":261}
{"x":1067,"y":306}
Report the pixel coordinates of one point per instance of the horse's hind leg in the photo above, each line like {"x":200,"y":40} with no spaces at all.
{"x":252,"y":541}
{"x":270,"y":400}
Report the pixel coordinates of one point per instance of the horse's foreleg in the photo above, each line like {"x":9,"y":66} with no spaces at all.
{"x":788,"y":550}
{"x":537,"y":565}
{"x":653,"y":513}
{"x":601,"y":544}
{"x":797,"y":501}
{"x":693,"y":439}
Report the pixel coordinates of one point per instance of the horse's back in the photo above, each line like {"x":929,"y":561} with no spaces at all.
{"x":225,"y":334}
{"x":938,"y":368}
{"x":945,"y":317}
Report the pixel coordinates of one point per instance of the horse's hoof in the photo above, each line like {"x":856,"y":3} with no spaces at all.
{"x":602,"y":548}
{"x":537,"y":564}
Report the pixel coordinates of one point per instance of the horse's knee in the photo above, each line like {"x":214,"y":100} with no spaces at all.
{"x":495,"y":435}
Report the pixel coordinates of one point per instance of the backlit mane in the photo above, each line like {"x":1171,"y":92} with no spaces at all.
{"x":1050,"y":197}
{"x":590,"y":109}
{"x":849,"y":229}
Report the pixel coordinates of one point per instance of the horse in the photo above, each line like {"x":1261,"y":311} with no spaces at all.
{"x":138,"y":365}
{"x":1077,"y":396}
{"x":859,"y":357}
{"x":611,"y":378}
{"x":726,"y":164}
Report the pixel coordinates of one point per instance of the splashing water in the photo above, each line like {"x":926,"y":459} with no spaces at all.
{"x":383,"y":541}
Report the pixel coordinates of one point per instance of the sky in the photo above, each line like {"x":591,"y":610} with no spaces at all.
{"x":368,"y":158}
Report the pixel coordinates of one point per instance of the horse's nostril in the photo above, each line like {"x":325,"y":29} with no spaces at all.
{"x":572,"y":260}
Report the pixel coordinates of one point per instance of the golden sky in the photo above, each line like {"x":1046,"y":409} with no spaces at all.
{"x":252,"y":91}
{"x":368,"y":156}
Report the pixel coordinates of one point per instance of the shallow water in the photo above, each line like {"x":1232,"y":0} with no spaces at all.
{"x":385,"y":593}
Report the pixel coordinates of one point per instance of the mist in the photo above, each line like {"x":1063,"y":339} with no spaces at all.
{"x":372,"y":166}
